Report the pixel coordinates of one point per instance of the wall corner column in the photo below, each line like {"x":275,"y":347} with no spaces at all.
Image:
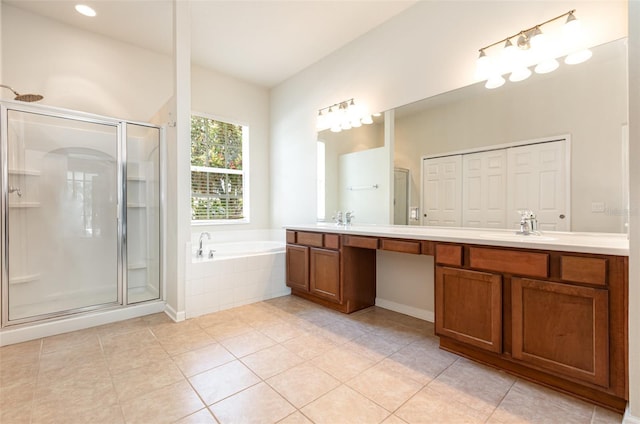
{"x":178,"y":231}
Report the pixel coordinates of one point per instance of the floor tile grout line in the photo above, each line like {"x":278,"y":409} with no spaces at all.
{"x":515,"y":380}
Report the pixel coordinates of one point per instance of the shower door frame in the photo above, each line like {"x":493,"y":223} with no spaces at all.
{"x":121,"y":210}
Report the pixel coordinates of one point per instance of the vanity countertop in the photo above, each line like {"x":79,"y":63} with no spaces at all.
{"x":598,"y":243}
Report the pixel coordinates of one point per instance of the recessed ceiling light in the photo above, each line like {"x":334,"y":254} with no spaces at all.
{"x":85,"y":10}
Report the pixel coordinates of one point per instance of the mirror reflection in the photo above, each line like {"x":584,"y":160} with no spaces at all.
{"x":555,"y":143}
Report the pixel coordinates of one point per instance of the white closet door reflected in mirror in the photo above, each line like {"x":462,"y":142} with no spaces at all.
{"x":486,"y":189}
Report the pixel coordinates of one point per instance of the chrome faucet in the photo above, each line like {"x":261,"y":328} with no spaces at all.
{"x":348,"y":216}
{"x":200,"y":252}
{"x":528,"y":223}
{"x":337,"y":218}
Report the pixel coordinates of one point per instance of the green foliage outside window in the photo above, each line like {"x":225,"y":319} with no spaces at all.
{"x":216,"y":169}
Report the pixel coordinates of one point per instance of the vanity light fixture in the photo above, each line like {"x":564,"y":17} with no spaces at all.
{"x":342,"y":116}
{"x":532,"y":47}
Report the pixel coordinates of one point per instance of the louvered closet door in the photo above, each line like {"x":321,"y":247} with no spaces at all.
{"x":442,"y":191}
{"x":484,"y":189}
{"x":537,"y":181}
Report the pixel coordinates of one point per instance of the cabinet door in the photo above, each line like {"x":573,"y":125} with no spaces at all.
{"x":325,"y":274}
{"x":298,"y":267}
{"x":561,"y":328}
{"x":469,"y":307}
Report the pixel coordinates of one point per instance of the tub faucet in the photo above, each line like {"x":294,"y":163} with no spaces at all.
{"x":200,"y":252}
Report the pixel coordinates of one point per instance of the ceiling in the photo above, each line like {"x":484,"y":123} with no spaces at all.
{"x":260,"y":41}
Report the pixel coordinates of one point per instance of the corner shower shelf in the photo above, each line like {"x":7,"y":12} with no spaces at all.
{"x":140,"y":265}
{"x":136,"y":178}
{"x":31,"y":172}
{"x":24,"y":279}
{"x":25,"y":205}
{"x":136,"y":205}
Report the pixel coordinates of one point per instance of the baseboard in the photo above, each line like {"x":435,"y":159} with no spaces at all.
{"x":175,"y":316}
{"x":628,"y":418}
{"x":407,"y":310}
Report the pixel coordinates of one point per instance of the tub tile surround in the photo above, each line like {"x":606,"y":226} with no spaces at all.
{"x":235,"y":366}
{"x":223,"y":283}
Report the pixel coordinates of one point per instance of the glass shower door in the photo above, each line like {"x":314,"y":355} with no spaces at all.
{"x":61,"y":215}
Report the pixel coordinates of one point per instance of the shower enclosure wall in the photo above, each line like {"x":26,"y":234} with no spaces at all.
{"x":80,"y":213}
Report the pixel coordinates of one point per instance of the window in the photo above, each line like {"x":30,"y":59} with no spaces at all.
{"x":218,"y":178}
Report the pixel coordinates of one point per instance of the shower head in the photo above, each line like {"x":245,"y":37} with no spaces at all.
{"x":24,"y":97}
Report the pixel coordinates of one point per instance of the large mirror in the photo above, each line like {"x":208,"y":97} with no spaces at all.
{"x":585,"y":104}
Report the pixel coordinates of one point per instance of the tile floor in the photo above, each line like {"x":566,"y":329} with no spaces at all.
{"x":284,"y":360}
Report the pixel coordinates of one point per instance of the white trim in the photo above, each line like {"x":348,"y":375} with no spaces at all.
{"x":627,"y":418}
{"x":175,"y":316}
{"x":561,"y":137}
{"x":407,"y":310}
{"x":32,"y":331}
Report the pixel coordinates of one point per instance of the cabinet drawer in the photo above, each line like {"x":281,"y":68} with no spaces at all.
{"x":402,"y":246}
{"x":309,"y":239}
{"x":579,"y":269}
{"x":510,"y":261}
{"x":362,"y":242}
{"x":447,"y":254}
{"x":291,"y":237}
{"x":332,"y":241}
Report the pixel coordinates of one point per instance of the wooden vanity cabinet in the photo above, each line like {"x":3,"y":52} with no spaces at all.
{"x":557,"y":318}
{"x":336,"y":273}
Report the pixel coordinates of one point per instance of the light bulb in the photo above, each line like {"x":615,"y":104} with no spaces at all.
{"x":509,"y":55}
{"x":571,"y":26}
{"x":367,"y":120}
{"x":321,"y":124}
{"x":336,"y":129}
{"x":547,"y":66}
{"x":520,"y":74}
{"x":538,"y":39}
{"x":483,"y":66}
{"x":495,"y":82}
{"x":356,"y":123}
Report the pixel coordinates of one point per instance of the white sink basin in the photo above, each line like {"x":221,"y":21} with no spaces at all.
{"x":517,"y":237}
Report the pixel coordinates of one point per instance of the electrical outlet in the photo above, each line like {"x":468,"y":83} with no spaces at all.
{"x":597,"y":207}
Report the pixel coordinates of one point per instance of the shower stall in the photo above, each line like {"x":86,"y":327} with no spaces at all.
{"x":81,"y":205}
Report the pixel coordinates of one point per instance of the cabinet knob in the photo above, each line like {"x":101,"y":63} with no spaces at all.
{"x":425,"y":215}
{"x":561,"y":216}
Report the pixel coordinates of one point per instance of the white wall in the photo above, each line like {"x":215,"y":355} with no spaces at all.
{"x":80,"y":70}
{"x":225,"y":97}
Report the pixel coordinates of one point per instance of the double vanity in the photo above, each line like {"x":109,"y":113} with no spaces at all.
{"x":551,"y":308}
